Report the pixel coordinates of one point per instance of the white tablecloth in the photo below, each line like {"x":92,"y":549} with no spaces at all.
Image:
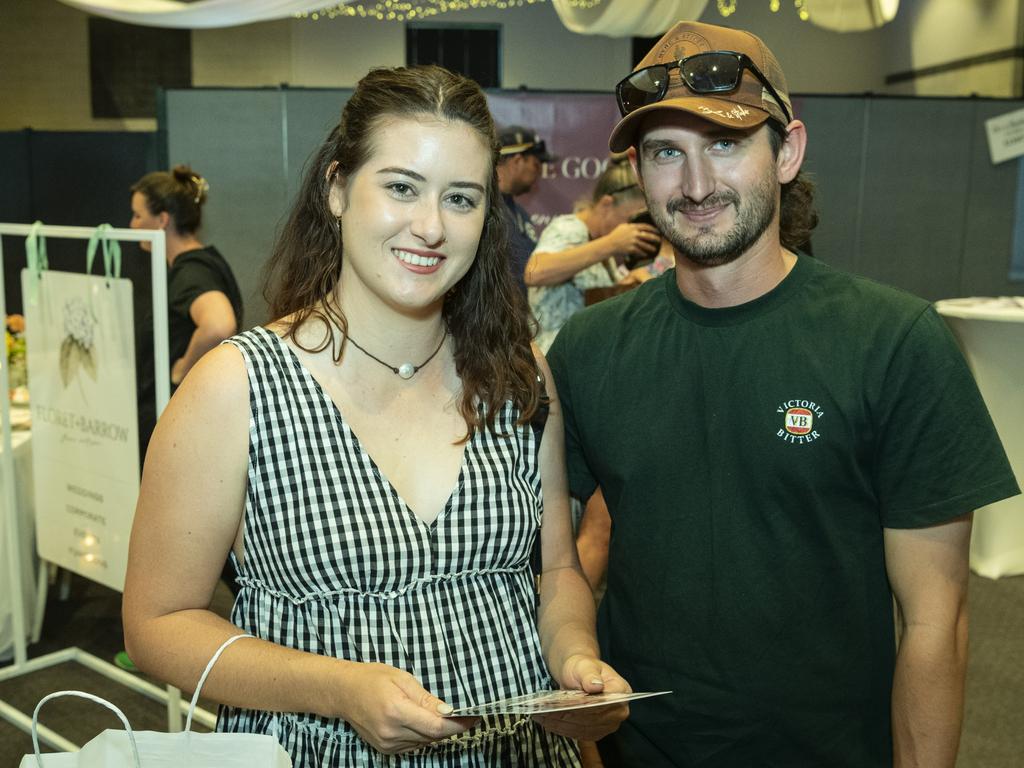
{"x":991,"y":334}
{"x":24,"y":495}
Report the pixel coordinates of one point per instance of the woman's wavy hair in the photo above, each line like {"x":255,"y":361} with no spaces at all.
{"x":797,"y":215}
{"x":180,"y":192}
{"x":485,"y":312}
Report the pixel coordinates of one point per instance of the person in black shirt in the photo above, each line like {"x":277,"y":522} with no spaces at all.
{"x":519,"y":167}
{"x":203,"y":299}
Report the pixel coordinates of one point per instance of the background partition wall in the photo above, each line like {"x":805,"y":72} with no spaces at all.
{"x":905,"y":187}
{"x":906,"y":190}
{"x":252,"y":147}
{"x":908,"y":194}
{"x":72,"y":178}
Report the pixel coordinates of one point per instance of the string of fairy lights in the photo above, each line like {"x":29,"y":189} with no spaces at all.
{"x":728,"y":7}
{"x":412,"y":10}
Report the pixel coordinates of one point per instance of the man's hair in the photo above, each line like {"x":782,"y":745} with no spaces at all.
{"x":797,"y":214}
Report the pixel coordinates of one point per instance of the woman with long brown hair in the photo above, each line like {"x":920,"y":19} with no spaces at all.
{"x":373,"y":460}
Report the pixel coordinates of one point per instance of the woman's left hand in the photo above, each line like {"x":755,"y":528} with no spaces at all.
{"x":592,"y":675}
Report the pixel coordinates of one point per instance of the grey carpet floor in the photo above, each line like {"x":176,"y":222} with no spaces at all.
{"x":90,"y":619}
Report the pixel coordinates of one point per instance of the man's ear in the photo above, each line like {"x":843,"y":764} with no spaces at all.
{"x":165,"y":219}
{"x":635,"y":162}
{"x":791,"y":153}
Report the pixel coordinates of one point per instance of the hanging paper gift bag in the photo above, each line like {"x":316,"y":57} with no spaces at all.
{"x":150,"y":749}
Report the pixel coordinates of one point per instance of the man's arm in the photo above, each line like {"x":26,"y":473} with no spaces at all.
{"x":215,"y":321}
{"x":557,"y":267}
{"x":928,"y":571}
{"x":592,"y":540}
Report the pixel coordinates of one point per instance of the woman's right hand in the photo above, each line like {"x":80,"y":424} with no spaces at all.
{"x":392,"y":712}
{"x":635,"y":240}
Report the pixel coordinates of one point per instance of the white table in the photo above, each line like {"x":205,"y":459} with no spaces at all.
{"x":991,"y":334}
{"x":24,"y":495}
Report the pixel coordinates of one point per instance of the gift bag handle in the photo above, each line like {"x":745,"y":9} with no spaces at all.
{"x":111,"y":252}
{"x":202,"y":678}
{"x":90,"y":697}
{"x":35,"y":255}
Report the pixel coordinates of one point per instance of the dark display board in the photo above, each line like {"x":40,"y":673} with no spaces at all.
{"x":72,"y":178}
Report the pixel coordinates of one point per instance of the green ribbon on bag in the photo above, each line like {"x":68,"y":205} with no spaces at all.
{"x":111,"y":252}
{"x":35,"y":253}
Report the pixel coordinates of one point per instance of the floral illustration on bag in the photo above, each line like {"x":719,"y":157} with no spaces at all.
{"x":76,"y":351}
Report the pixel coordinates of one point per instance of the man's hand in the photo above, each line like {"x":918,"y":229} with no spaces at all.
{"x":635,"y":240}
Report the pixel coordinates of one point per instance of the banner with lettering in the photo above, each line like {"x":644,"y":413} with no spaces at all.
{"x":85,"y":448}
{"x":575,"y":128}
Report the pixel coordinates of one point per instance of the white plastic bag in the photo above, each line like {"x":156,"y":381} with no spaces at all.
{"x":150,"y":749}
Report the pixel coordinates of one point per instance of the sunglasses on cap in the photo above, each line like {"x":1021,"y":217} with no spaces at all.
{"x":703,"y":73}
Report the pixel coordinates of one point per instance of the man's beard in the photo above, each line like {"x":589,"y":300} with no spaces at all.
{"x":707,"y":249}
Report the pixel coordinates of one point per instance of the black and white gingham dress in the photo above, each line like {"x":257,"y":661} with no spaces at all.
{"x":337,"y":564}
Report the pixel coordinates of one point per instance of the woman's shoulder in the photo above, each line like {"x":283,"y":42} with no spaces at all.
{"x":257,"y":340}
{"x":215,"y":390}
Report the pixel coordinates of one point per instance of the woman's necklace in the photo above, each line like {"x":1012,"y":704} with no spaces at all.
{"x":405,"y":370}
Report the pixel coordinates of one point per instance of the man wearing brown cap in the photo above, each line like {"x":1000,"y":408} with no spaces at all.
{"x":520,"y":165}
{"x":783,"y":448}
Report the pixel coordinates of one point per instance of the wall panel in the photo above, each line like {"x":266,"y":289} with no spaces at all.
{"x":906,"y":193}
{"x":235,"y":139}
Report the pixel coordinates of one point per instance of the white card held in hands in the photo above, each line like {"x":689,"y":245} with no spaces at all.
{"x":542,"y":702}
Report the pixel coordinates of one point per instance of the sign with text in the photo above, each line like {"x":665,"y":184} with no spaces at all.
{"x":85,"y":447}
{"x":1005,"y":136}
{"x":575,"y":128}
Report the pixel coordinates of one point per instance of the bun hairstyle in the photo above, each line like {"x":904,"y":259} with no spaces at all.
{"x":617,"y":180}
{"x":486,"y":315}
{"x":179,"y":193}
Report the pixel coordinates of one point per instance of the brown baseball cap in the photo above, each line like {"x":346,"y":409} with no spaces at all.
{"x":749,"y":105}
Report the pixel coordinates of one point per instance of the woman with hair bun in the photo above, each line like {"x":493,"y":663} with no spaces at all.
{"x":203,"y":299}
{"x":373,"y":462}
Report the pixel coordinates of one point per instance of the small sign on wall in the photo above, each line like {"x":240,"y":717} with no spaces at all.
{"x":1005,"y":136}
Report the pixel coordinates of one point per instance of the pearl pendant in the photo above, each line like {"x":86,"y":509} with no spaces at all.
{"x":406,"y":370}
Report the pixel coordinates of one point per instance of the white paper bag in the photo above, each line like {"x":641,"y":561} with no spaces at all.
{"x":150,"y":749}
{"x":81,"y":362}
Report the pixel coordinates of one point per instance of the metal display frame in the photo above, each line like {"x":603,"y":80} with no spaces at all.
{"x":21,"y":664}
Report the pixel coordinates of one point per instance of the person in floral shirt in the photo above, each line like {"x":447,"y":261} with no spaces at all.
{"x":583,"y":250}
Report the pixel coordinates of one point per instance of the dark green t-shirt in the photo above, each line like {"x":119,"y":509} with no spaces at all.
{"x":750,"y":458}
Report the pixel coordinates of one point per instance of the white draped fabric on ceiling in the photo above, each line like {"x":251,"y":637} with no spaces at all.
{"x":850,"y":15}
{"x":628,"y":18}
{"x":203,"y":14}
{"x":614,"y":18}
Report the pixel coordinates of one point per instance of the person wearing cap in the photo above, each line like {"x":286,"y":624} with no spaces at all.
{"x":520,"y":165}
{"x":826,"y":441}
